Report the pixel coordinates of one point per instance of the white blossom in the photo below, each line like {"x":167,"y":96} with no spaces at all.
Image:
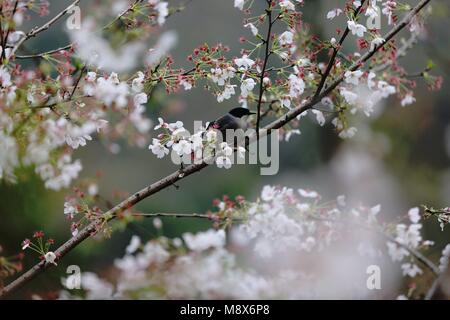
{"x":444,"y":260}
{"x":347,"y":133}
{"x":319,"y":116}
{"x":376,"y":42}
{"x":252,"y":27}
{"x":163,"y":11}
{"x":288,"y":5}
{"x":396,"y":252}
{"x":69,"y":209}
{"x":226,"y":93}
{"x":223,"y":162}
{"x":268,"y":193}
{"x":5,"y":77}
{"x":296,"y":86}
{"x":162,"y":47}
{"x":414,"y":215}
{"x":247,"y":86}
{"x":244,"y":62}
{"x":50,"y":257}
{"x":204,"y":240}
{"x":8,"y":156}
{"x":349,"y":96}
{"x":137,"y":83}
{"x":385,"y":89}
{"x":135,"y":243}
{"x":182,"y":147}
{"x":356,"y":28}
{"x":408,"y":99}
{"x":220,"y":76}
{"x":372,"y":10}
{"x":411,"y":269}
{"x":333,"y":13}
{"x":308,"y":193}
{"x":186,"y":84}
{"x":239,"y":4}
{"x":97,"y":51}
{"x":286,"y":38}
{"x":352,"y":77}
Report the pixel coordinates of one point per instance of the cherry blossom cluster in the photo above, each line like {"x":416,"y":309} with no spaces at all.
{"x":84,"y":206}
{"x":287,"y":244}
{"x":301,"y":67}
{"x":44,"y":118}
{"x":41,"y":247}
{"x":408,"y":236}
{"x":442,"y":215}
{"x":206,"y":144}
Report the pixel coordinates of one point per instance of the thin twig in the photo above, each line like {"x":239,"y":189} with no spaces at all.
{"x":175,"y":215}
{"x":191,"y":169}
{"x":401,"y":52}
{"x":123,"y":13}
{"x":210,"y":217}
{"x":336,"y":49}
{"x":46,"y":53}
{"x":33,"y":32}
{"x":82,"y":71}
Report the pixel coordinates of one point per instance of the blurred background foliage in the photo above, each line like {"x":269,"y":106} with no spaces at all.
{"x":400,"y":158}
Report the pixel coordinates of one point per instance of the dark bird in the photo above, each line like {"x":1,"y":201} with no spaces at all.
{"x":232,"y":120}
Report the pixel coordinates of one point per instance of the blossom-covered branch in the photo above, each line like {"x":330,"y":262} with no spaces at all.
{"x":101,"y":89}
{"x":283,"y":229}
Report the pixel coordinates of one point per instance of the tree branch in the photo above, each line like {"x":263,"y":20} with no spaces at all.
{"x":191,"y":169}
{"x":263,"y":71}
{"x":77,"y":82}
{"x":437,"y":282}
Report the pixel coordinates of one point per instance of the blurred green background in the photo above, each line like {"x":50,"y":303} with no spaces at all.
{"x":400,"y":158}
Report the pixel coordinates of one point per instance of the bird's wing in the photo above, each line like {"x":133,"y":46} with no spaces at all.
{"x":226,"y":122}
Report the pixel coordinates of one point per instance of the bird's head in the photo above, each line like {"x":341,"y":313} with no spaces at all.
{"x":240,"y":112}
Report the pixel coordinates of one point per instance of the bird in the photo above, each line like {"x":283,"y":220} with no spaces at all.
{"x":231,"y":120}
